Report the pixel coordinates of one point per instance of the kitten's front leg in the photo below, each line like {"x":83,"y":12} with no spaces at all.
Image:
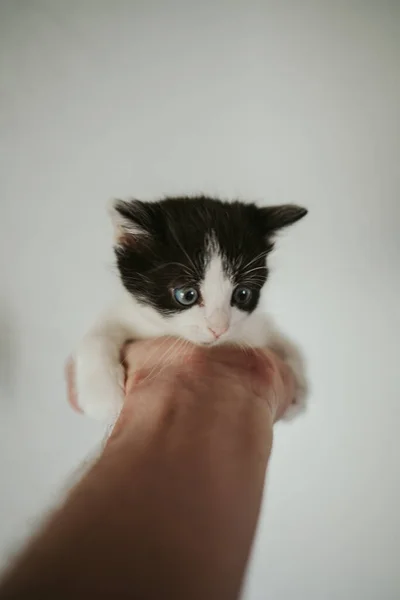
{"x":261,"y":332}
{"x":99,"y":375}
{"x":292,"y":356}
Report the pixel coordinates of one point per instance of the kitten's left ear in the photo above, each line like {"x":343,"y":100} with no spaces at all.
{"x":278,"y":217}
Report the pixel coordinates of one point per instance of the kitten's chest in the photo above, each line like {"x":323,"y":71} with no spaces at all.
{"x":255,"y":331}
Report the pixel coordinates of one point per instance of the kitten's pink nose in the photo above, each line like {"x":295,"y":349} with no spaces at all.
{"x":218,"y":331}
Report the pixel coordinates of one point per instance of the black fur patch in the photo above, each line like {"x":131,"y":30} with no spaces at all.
{"x":169,"y":248}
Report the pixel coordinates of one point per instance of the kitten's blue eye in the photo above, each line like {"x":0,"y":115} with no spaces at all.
{"x":186,"y":296}
{"x":242,"y":295}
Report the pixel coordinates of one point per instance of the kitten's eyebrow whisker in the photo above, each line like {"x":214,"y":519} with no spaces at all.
{"x":183,"y":250}
{"x":253,"y":282}
{"x":252,"y":277}
{"x":263,"y":253}
{"x":255,"y":269}
{"x":169,"y":264}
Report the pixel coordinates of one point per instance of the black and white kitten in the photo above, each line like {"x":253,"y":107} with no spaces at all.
{"x":192,"y":268}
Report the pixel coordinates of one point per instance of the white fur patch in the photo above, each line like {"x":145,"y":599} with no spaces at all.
{"x":216,"y":291}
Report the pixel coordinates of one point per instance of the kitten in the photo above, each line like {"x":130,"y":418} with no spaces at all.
{"x":192,"y":268}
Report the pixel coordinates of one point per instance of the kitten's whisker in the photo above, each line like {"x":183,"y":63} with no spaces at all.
{"x":185,"y":268}
{"x":245,"y":347}
{"x":252,"y":279}
{"x":161,"y":362}
{"x":165,"y":341}
{"x":157,"y":366}
{"x":164,"y":363}
{"x":172,"y":230}
{"x":185,"y":345}
{"x":150,"y":356}
{"x":255,"y":269}
{"x":259,"y":256}
{"x":252,"y":282}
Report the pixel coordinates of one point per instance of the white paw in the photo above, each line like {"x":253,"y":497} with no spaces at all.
{"x":294,"y":360}
{"x":101,"y":395}
{"x":291,"y":355}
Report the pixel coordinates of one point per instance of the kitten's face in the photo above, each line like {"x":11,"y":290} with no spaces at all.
{"x":198,"y":262}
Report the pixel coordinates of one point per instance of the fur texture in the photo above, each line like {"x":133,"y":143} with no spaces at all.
{"x":193,"y":268}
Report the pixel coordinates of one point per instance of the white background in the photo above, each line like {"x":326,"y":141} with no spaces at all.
{"x":273,"y":101}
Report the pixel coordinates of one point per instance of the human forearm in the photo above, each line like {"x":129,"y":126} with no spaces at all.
{"x":196,"y":489}
{"x":170,"y":508}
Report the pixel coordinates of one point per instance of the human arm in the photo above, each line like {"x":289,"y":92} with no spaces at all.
{"x":170,"y":508}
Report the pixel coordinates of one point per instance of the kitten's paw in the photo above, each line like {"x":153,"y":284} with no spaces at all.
{"x":292,"y":356}
{"x":100,"y":396}
{"x":296,"y":364}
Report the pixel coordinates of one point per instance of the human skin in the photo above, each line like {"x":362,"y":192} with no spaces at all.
{"x":170,"y":508}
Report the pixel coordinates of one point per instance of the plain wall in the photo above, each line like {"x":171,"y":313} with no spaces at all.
{"x":269,"y":101}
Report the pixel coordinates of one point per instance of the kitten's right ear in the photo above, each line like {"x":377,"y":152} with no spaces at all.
{"x":131,"y":221}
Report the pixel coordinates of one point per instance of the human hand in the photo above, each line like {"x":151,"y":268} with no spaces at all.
{"x":259,"y":372}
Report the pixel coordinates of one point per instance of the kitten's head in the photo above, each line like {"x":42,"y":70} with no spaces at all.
{"x":198,"y":262}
